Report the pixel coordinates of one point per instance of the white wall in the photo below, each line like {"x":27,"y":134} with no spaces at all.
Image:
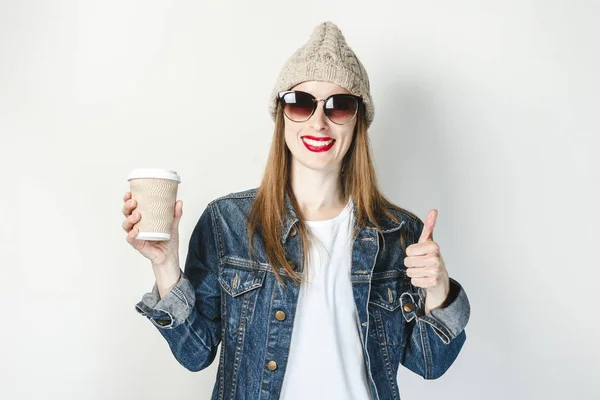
{"x":485,"y":110}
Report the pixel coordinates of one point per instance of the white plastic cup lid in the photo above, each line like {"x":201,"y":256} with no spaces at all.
{"x":153,"y":173}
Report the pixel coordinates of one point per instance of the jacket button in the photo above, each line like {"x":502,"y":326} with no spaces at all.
{"x":292,"y":264}
{"x":294,"y":231}
{"x":408,"y":307}
{"x":272,"y":365}
{"x":280,"y":315}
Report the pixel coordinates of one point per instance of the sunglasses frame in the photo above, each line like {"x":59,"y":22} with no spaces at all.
{"x":359,"y":101}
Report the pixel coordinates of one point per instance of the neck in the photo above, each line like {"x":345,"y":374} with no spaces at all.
{"x":317,"y":192}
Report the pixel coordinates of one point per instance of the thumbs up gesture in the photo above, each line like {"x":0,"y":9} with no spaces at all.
{"x":425,"y":266}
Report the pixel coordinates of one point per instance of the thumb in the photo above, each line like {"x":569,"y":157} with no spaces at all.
{"x":427,"y":233}
{"x":177,"y":216}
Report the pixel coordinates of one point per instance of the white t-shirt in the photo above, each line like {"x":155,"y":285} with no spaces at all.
{"x":326,"y":359}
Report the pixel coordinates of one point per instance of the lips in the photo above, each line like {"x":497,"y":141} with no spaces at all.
{"x":317,"y":144}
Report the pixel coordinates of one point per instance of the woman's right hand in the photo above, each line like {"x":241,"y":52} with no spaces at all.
{"x":160,"y":252}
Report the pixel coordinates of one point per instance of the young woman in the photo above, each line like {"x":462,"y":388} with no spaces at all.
{"x":316,"y":286}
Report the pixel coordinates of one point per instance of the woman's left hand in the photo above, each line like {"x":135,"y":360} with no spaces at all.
{"x":425,"y":266}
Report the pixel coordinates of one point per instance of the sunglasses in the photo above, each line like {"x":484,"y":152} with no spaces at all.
{"x":299,"y":106}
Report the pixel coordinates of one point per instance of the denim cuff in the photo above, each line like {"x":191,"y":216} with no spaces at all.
{"x":173,"y":309}
{"x":449,"y":321}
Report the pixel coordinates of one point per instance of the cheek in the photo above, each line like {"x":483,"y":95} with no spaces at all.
{"x":290,"y":137}
{"x":346,"y":141}
{"x":343,"y":150}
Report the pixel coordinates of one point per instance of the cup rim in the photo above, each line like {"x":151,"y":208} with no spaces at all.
{"x":158,"y":173}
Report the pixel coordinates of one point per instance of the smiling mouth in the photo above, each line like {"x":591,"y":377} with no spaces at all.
{"x":317,"y":144}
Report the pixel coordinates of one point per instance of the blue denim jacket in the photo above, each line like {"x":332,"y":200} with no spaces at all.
{"x":223,"y":297}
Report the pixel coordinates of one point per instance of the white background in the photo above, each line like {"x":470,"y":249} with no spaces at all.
{"x":485,"y":110}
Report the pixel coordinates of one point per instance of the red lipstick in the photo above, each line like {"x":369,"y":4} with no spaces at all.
{"x":318,"y":149}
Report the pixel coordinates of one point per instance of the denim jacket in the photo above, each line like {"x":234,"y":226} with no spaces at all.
{"x":223,"y":297}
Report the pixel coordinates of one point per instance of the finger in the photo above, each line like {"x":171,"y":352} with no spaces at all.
{"x":127,"y":196}
{"x":419,"y":249}
{"x":427,"y":233}
{"x":137,"y":244}
{"x":177,"y":215}
{"x":423,"y":272}
{"x":423,"y":282}
{"x":131,"y":238}
{"x":130,"y":221}
{"x":421,"y":261}
{"x":128,"y":206}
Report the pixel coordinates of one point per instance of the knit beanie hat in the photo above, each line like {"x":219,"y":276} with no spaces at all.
{"x":325,"y":57}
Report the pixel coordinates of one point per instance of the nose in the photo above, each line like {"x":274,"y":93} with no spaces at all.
{"x":319,"y":118}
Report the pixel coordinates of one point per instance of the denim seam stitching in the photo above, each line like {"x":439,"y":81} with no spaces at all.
{"x":367,"y":311}
{"x":181,"y":296}
{"x":395,"y":228}
{"x":240,"y":262}
{"x":224,"y":329}
{"x":383,"y":349}
{"x":425,"y":364}
{"x":262,"y":377}
{"x":246,"y":194}
{"x":386,"y":274}
{"x":286,"y":357}
{"x":241,"y":333}
{"x":439,"y":328}
{"x":426,"y":349}
{"x":216,"y":228}
{"x":256,"y":283}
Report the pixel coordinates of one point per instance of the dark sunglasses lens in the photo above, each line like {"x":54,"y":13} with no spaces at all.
{"x":341,"y":108}
{"x":298,"y":106}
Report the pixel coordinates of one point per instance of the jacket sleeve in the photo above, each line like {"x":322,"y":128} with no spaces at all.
{"x":437,"y":337}
{"x":189,"y":316}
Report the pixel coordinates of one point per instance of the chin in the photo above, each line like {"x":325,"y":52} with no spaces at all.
{"x":324,"y":167}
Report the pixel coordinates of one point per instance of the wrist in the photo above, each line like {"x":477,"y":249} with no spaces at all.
{"x":436,"y":298}
{"x":166,"y":278}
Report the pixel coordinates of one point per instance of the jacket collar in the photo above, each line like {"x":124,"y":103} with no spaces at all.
{"x":386,"y":224}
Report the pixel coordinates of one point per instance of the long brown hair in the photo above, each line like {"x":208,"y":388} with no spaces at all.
{"x":358,"y":179}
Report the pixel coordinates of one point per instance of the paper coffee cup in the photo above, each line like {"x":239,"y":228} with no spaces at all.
{"x":155,"y":191}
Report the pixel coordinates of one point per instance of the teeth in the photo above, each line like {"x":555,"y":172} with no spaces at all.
{"x":317,"y":143}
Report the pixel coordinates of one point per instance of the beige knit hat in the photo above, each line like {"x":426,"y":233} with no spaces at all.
{"x":325,"y":57}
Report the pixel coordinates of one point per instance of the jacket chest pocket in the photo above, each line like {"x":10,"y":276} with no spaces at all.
{"x":385,"y":310}
{"x":240,"y":289}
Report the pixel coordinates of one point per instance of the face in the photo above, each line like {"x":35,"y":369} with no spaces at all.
{"x":302,"y":138}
